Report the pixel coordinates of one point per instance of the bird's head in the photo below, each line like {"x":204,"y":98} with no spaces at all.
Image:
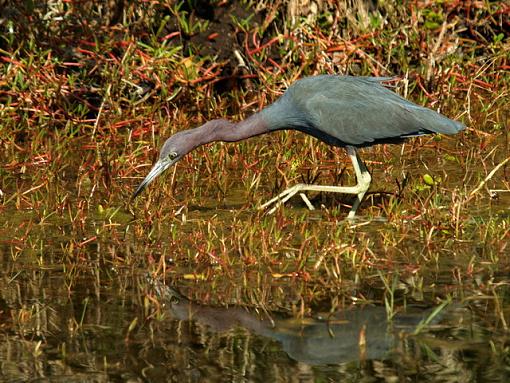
{"x":172,"y":151}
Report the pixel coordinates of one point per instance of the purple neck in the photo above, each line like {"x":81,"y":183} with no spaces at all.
{"x":223,"y":130}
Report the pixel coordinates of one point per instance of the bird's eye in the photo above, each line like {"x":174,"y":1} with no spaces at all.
{"x":172,"y":155}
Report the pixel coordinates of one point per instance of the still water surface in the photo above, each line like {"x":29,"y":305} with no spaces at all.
{"x":103,"y":330}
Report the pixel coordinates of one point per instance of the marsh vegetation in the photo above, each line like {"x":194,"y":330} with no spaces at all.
{"x":88,"y":93}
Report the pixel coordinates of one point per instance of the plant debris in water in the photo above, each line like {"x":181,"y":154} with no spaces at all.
{"x":88,"y":93}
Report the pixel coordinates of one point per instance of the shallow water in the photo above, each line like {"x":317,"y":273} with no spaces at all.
{"x":191,"y":283}
{"x":211,"y":290}
{"x":102,"y":322}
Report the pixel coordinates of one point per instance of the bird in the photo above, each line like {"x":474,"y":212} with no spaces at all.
{"x":350,"y":112}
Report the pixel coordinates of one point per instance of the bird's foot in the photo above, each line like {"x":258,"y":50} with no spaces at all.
{"x":356,"y":203}
{"x":306,"y":201}
{"x":284,"y":196}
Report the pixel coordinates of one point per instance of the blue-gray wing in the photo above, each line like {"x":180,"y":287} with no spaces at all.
{"x":360,"y":111}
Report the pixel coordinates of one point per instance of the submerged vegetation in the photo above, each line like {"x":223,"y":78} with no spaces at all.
{"x":88,"y":92}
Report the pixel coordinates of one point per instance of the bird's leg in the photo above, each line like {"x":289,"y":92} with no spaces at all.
{"x":362,"y":176}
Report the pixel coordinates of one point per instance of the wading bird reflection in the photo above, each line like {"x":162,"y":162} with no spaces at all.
{"x":343,"y":111}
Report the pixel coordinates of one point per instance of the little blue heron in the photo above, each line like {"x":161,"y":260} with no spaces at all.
{"x":344,"y":111}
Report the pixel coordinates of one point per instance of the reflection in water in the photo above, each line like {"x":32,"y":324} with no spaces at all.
{"x":101,"y":332}
{"x":345,"y":336}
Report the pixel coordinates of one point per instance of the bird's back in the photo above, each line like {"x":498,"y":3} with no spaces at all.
{"x":358,"y":111}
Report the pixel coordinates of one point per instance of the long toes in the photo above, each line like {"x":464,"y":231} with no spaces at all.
{"x":266,"y":204}
{"x":307,"y":201}
{"x":271,"y":201}
{"x":282,"y":197}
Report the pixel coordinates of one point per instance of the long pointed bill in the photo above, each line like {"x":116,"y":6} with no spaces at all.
{"x":157,"y":169}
